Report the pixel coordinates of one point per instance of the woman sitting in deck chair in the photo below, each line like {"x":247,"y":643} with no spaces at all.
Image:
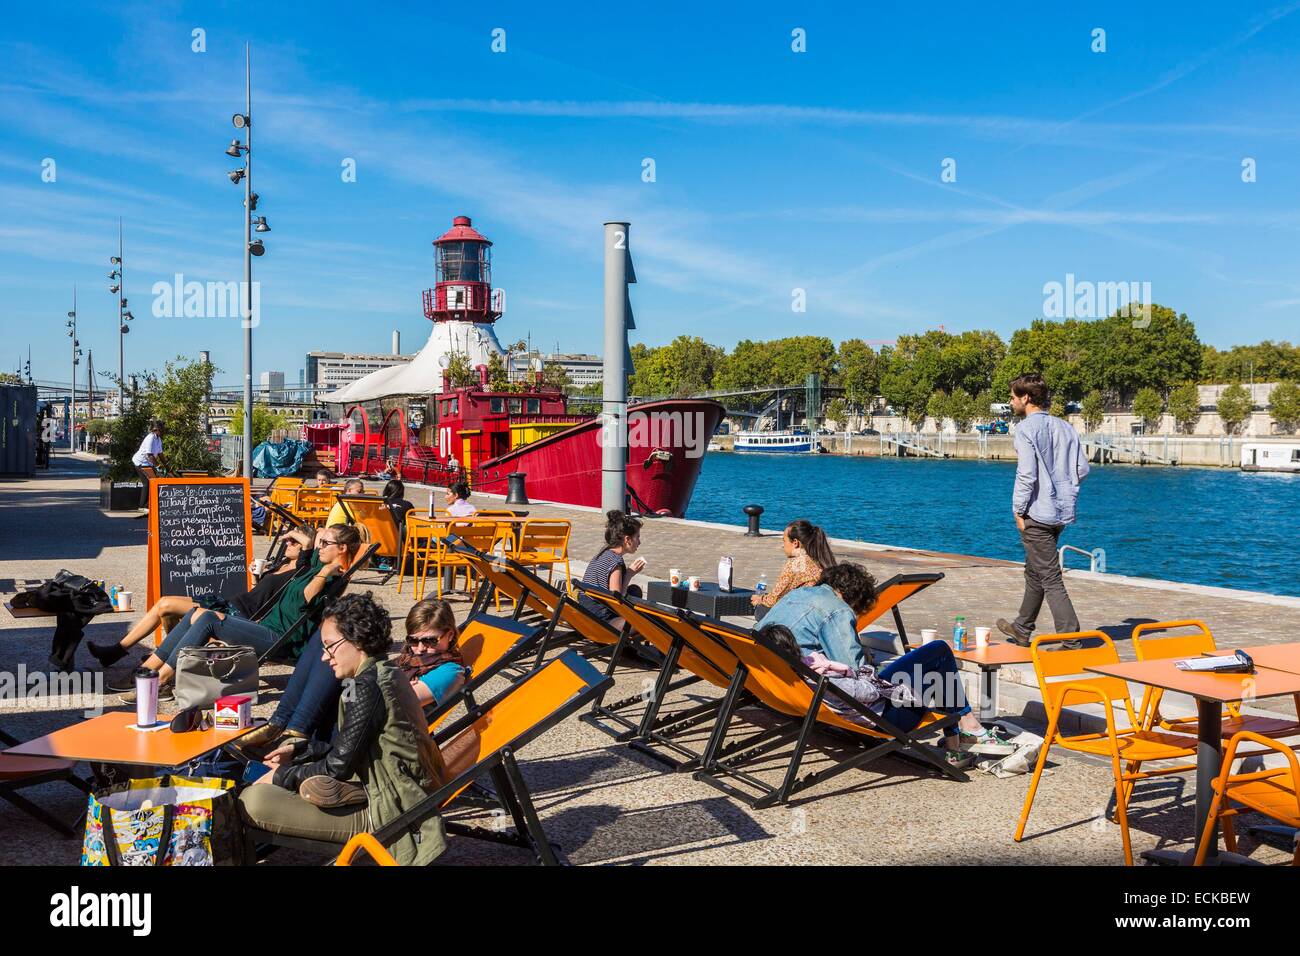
{"x":169,"y":609}
{"x":336,"y":547}
{"x":381,"y":762}
{"x":608,"y":570}
{"x":430,"y":661}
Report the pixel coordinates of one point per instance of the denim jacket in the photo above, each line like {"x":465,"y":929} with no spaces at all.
{"x":1051,"y":465}
{"x":820,"y":622}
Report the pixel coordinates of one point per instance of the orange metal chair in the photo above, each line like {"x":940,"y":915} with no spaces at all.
{"x":18,"y":772}
{"x":1274,"y":793}
{"x":418,"y":547}
{"x":544,"y":543}
{"x":1194,"y":645}
{"x":1062,"y":680}
{"x":312,"y":505}
{"x":481,"y":535}
{"x":283,"y":493}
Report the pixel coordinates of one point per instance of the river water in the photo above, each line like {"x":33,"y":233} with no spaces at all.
{"x":1220,"y":527}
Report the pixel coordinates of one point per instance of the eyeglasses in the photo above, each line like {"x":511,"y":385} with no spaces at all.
{"x":328,"y":542}
{"x":329,"y":648}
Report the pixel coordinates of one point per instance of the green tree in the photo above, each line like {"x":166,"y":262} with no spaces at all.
{"x":554,"y":376}
{"x":859,"y":372}
{"x":98,"y":429}
{"x":459,"y":371}
{"x":265,"y":421}
{"x":962,"y":410}
{"x":1266,"y":361}
{"x":1148,"y":406}
{"x":9,"y":378}
{"x":938,"y":407}
{"x":1234,"y":407}
{"x":1185,"y":406}
{"x":837,"y":411}
{"x":982,"y":407}
{"x":178,"y":397}
{"x":1285,"y":402}
{"x":1093,"y":409}
{"x":1123,"y":357}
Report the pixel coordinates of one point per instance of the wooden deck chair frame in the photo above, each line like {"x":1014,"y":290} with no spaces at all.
{"x":1139,"y":745}
{"x":653,"y":732}
{"x":500,"y":765}
{"x":875,"y":736}
{"x":381,"y":524}
{"x":555,"y":605}
{"x":332,"y":590}
{"x":889,"y":595}
{"x":40,"y":771}
{"x":525,"y":636}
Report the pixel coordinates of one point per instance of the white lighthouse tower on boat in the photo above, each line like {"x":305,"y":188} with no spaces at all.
{"x":462,"y":306}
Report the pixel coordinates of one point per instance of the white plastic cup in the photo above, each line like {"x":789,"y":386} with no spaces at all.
{"x":259,"y":564}
{"x":124,"y":600}
{"x":675,"y":577}
{"x":693,"y":582}
{"x":982,"y":636}
{"x":929,"y":634}
{"x":146,"y":697}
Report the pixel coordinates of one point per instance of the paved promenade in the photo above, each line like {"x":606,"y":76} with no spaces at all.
{"x":605,"y":804}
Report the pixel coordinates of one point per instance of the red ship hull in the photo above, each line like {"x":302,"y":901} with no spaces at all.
{"x":664,"y":458}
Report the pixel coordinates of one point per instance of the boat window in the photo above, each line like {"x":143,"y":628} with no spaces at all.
{"x":1295,"y":454}
{"x":534,"y":406}
{"x":516,"y":406}
{"x":498,"y":405}
{"x":454,"y":406}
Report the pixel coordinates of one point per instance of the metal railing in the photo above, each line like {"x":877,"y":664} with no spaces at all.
{"x":1096,"y":557}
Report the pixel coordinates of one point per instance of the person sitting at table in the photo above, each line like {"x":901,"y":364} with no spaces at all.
{"x":353,"y":486}
{"x":610,"y":570}
{"x":169,"y":609}
{"x":807,"y":555}
{"x":324,"y":477}
{"x":336,"y":548}
{"x":456,"y":501}
{"x":394,"y":495}
{"x":902,"y":692}
{"x":431,"y":660}
{"x":380,"y":763}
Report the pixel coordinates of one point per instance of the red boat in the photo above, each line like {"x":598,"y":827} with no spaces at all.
{"x":481,"y":435}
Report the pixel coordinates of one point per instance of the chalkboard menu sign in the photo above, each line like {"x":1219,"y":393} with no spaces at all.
{"x":200,"y":538}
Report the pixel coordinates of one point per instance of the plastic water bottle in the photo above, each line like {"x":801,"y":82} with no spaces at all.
{"x":761,"y":586}
{"x":959,"y":633}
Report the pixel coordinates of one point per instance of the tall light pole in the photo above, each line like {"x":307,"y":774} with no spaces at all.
{"x":252,"y":247}
{"x":118,"y":278}
{"x":76,"y":351}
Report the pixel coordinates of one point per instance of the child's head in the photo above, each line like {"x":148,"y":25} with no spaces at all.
{"x":780,"y":639}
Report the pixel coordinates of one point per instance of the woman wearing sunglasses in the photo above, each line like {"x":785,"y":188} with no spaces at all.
{"x":336,"y":547}
{"x":382,"y":760}
{"x":431,"y":662}
{"x":171,"y":608}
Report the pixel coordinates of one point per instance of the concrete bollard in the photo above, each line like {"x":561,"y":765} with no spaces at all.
{"x":753,"y":511}
{"x":516,"y":494}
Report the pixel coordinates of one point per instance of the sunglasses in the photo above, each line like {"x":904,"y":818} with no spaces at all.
{"x":430,"y":639}
{"x":191,"y":718}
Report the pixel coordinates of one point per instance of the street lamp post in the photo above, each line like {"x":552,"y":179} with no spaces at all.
{"x":76,"y":351}
{"x":118,"y":277}
{"x":252,"y":247}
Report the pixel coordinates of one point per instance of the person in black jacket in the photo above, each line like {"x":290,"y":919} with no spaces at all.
{"x":381,"y":761}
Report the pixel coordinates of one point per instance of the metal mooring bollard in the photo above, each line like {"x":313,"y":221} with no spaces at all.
{"x":516,"y":495}
{"x":753,"y":511}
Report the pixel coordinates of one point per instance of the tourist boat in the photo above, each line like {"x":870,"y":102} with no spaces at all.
{"x":433,"y":431}
{"x":776,"y":442}
{"x":1270,"y":456}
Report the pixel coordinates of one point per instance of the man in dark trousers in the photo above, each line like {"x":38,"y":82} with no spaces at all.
{"x":1051,"y":465}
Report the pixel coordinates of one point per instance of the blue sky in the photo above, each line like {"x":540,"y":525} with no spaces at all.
{"x":775,"y":170}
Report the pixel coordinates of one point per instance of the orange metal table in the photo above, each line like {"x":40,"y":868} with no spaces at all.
{"x":106,"y":739}
{"x":1277,"y":657}
{"x":988,"y":659}
{"x":1211,"y":692}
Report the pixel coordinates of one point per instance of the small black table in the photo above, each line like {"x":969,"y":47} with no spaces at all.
{"x":709,"y":600}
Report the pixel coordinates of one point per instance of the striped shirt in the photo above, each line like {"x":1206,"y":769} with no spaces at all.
{"x":598,"y":573}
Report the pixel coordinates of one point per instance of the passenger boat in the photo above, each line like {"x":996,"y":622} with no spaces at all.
{"x":437,"y":432}
{"x":1270,"y":456}
{"x":776,"y":442}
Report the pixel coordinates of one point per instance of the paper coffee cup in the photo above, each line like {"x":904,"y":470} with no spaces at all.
{"x":693,"y":582}
{"x":982,"y":636}
{"x":259,"y":564}
{"x":124,"y":600}
{"x":675,"y":577}
{"x":929,"y":634}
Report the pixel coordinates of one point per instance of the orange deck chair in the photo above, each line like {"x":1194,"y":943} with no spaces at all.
{"x":485,"y":742}
{"x":889,"y":595}
{"x":18,"y":772}
{"x":1274,"y":793}
{"x":799,"y":695}
{"x":372,"y":513}
{"x":487,"y":645}
{"x":1062,"y":680}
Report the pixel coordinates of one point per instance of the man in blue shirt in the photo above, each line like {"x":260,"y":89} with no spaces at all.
{"x":824,"y":617}
{"x":1051,"y":465}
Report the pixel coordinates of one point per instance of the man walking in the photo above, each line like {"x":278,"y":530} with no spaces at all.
{"x":1051,"y":466}
{"x":148,"y":459}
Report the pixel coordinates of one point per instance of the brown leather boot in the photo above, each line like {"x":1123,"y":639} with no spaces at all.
{"x":325,"y":791}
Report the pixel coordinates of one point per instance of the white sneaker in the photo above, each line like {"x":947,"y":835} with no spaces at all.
{"x":989,"y":742}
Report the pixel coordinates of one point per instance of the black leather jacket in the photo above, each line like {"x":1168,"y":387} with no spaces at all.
{"x":344,"y":757}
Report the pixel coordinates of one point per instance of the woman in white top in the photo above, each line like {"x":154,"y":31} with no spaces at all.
{"x":457,"y":504}
{"x":148,"y":459}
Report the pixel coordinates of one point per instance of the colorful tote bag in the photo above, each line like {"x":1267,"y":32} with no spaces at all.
{"x":162,"y":821}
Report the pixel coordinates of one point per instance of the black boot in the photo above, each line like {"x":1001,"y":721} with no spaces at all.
{"x":106,"y":654}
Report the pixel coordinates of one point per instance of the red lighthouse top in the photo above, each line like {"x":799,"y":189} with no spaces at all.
{"x":464,"y":276}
